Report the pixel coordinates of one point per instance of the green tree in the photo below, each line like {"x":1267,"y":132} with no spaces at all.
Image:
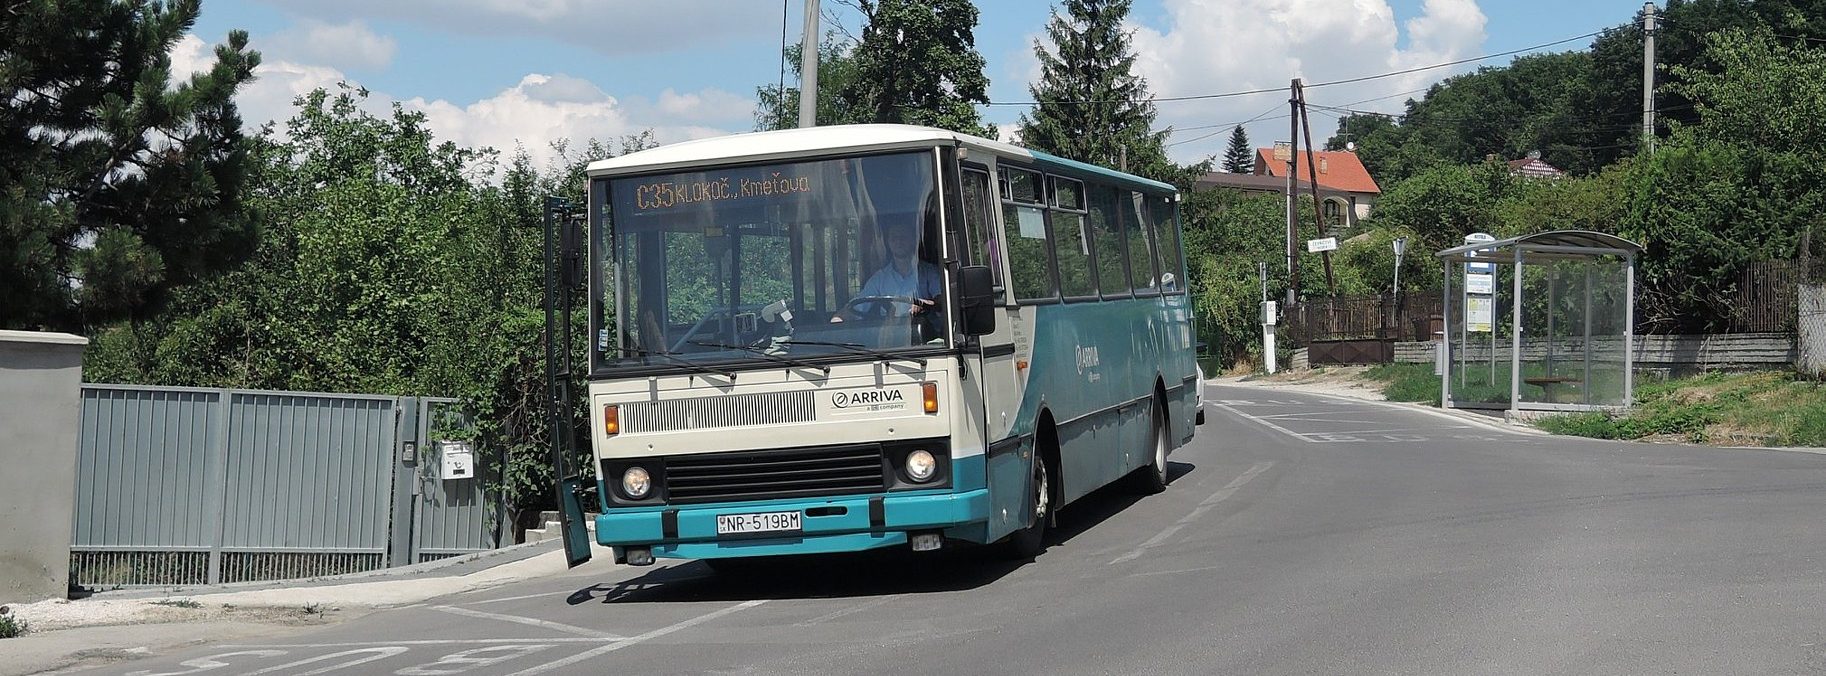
{"x":778,"y":108}
{"x":916,"y":63}
{"x":1090,"y":104}
{"x":1239,"y":158}
{"x":1760,"y":92}
{"x":118,"y":182}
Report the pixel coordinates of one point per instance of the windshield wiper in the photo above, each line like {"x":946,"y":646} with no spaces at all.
{"x":859,"y":349}
{"x":688,"y":364}
{"x":765,"y":355}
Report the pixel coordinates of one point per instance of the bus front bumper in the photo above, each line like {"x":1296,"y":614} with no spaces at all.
{"x":840,"y":524}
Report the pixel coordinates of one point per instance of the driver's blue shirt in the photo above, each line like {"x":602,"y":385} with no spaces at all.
{"x":923,"y":282}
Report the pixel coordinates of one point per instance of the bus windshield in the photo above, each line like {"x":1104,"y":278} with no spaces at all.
{"x":753,"y":263}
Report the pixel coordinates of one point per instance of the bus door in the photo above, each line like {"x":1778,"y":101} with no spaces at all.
{"x":999,"y":381}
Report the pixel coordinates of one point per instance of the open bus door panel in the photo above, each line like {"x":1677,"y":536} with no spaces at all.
{"x":562,"y":224}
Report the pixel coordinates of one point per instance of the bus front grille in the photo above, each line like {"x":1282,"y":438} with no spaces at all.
{"x":736,"y":410}
{"x":790,"y":473}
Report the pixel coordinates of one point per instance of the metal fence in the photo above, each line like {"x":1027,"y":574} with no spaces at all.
{"x":1767,"y":297}
{"x":1810,"y":334}
{"x":1379,"y":317}
{"x":194,"y":486}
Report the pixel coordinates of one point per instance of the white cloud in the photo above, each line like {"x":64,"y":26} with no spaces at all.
{"x":709,"y":105}
{"x":1211,"y":46}
{"x":607,"y":27}
{"x":534,"y":112}
{"x":276,"y":83}
{"x":349,"y":45}
{"x":541,"y":109}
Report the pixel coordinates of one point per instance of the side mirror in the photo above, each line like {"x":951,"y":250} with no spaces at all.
{"x":976,"y":299}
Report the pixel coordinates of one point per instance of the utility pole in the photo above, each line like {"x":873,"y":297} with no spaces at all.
{"x":1293,"y":225}
{"x":808,"y":68}
{"x":1312,"y":175}
{"x":1648,"y":76}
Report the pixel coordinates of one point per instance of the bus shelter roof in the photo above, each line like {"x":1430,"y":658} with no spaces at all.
{"x":1552,"y":245}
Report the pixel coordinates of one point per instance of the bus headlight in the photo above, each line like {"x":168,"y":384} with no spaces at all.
{"x":921,"y":466}
{"x":636,"y":483}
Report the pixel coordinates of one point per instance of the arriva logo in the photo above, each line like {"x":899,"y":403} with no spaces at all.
{"x":1087,"y":358}
{"x":867,"y":398}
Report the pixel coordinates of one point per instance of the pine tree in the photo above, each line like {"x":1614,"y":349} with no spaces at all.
{"x":1239,"y":158}
{"x":916,"y":63}
{"x":118,"y":183}
{"x":1092,"y":107}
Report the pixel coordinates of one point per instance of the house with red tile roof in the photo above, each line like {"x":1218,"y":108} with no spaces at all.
{"x":1346,"y":190}
{"x":1532,"y":167}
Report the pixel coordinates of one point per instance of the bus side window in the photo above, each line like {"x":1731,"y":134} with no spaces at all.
{"x":1071,"y":244}
{"x":1166,"y":238}
{"x":985,"y":249}
{"x":1112,"y":255}
{"x":1136,"y":227}
{"x":1024,"y":231}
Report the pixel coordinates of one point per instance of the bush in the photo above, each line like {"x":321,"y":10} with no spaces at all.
{"x":13,"y":627}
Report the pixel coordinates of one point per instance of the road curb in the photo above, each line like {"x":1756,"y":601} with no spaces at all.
{"x":1468,"y":418}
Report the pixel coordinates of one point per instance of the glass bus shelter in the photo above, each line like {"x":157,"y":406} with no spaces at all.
{"x":1541,"y":322}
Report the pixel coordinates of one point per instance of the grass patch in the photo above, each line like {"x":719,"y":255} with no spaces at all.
{"x":1406,"y":382}
{"x":1749,"y":409}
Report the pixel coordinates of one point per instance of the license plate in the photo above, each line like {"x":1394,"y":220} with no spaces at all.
{"x":763,"y":522}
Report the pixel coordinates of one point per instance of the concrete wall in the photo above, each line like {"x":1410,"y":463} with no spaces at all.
{"x":1719,"y":351}
{"x":40,"y":391}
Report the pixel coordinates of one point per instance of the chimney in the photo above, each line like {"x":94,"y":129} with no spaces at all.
{"x":1324,"y":165}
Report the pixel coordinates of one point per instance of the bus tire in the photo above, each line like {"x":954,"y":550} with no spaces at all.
{"x":1152,"y":477}
{"x":1027,"y":543}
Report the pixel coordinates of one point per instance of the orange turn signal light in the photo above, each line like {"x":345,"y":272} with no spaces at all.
{"x":930,"y":390}
{"x":611,"y":420}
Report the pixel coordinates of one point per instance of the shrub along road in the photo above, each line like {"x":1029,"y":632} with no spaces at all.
{"x":1300,"y":534}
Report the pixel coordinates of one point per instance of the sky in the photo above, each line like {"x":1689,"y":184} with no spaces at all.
{"x":526,"y":73}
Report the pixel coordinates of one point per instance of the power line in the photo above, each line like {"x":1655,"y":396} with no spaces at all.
{"x":1252,"y":92}
{"x":1220,"y":127}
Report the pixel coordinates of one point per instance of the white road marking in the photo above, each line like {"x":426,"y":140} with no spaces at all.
{"x":848,"y":611}
{"x":522,"y":597}
{"x":1268,"y":423}
{"x":1205,"y":506}
{"x":427,"y":641}
{"x":1199,"y":569}
{"x":623,"y":643}
{"x":528,"y":621}
{"x":1303,"y":414}
{"x":1397,"y":429}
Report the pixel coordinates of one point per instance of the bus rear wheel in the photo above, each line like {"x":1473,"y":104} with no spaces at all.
{"x":1152,"y":477}
{"x":1027,"y":543}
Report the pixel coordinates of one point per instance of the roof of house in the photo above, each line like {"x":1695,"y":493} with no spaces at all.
{"x":1338,"y":170}
{"x":1533,"y":166}
{"x":1257,"y":183}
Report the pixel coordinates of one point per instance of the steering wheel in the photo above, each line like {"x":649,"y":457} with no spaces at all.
{"x":878,"y":307}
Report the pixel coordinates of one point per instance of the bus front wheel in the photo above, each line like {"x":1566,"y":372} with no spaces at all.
{"x":1026,"y":543}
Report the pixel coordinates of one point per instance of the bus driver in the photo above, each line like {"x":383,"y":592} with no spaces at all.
{"x":904,"y":276}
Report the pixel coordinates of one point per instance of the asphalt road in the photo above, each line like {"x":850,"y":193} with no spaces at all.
{"x":1300,"y":534}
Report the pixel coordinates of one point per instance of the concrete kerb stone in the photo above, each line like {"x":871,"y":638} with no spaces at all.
{"x":1481,"y":421}
{"x":165,"y":605}
{"x":481,"y":560}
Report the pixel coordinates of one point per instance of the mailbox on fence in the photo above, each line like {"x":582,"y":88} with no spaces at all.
{"x":458,"y":460}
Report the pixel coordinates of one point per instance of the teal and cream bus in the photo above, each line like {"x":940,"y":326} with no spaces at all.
{"x":856,"y":337}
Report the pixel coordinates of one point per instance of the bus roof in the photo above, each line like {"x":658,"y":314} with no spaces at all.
{"x":788,"y":143}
